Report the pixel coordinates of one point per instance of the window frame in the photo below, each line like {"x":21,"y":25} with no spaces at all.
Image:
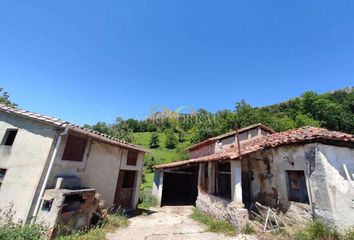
{"x":67,"y":155}
{"x":4,"y":170}
{"x":225,"y":173}
{"x":291,"y":190}
{"x":6,"y":136}
{"x":135,"y":160}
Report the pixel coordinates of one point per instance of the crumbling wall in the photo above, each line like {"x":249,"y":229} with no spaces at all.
{"x":330,"y":192}
{"x":333,"y":191}
{"x":222,"y":209}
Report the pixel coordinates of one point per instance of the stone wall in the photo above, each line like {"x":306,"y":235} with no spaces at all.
{"x":203,"y":151}
{"x":222,"y":209}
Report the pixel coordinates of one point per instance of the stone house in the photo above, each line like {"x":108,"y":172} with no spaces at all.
{"x":43,"y":157}
{"x":308,"y":171}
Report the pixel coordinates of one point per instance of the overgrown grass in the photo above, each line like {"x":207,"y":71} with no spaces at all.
{"x":148,"y":179}
{"x":112,"y":222}
{"x":17,"y":231}
{"x":317,"y":230}
{"x":213,"y":224}
{"x":92,"y":234}
{"x":248,"y":229}
{"x":147,"y":200}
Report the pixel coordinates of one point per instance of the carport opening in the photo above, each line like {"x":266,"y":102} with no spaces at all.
{"x":180,"y":186}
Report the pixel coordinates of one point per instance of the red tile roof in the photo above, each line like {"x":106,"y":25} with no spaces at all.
{"x":232,"y":133}
{"x":297,"y":136}
{"x":72,"y":127}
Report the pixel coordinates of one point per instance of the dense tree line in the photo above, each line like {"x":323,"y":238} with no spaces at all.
{"x":334,"y":111}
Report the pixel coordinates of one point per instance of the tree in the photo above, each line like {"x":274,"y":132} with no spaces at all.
{"x":305,"y":120}
{"x":154,"y":141}
{"x":5,"y":98}
{"x":171,"y":140}
{"x":150,"y":163}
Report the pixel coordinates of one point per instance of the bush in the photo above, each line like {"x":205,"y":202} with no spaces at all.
{"x":318,"y":230}
{"x":171,"y":140}
{"x":154,"y":140}
{"x":213,"y":224}
{"x":9,"y":229}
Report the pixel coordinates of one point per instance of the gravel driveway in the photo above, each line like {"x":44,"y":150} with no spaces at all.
{"x":168,"y":223}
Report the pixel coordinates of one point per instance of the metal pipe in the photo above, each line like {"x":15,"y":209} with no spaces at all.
{"x":49,"y":170}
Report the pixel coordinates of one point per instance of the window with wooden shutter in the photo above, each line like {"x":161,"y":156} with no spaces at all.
{"x":297,"y":190}
{"x":75,"y":148}
{"x":132,"y":158}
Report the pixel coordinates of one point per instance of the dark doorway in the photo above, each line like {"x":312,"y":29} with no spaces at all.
{"x":223,"y":186}
{"x":180,"y":187}
{"x":125,"y":189}
{"x":297,"y":190}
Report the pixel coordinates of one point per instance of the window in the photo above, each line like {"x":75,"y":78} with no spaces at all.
{"x":223,"y":186}
{"x":75,"y":148}
{"x":9,"y":137}
{"x":47,"y":205}
{"x":132,"y":158}
{"x":2,"y":175}
{"x":297,"y":190}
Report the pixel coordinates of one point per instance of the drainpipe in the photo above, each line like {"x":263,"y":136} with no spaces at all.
{"x":49,"y":170}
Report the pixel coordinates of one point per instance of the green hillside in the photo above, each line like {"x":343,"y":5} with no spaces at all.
{"x":158,"y":155}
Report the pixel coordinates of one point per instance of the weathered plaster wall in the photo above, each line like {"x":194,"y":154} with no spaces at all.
{"x":25,"y":161}
{"x":339,"y":189}
{"x":99,"y":169}
{"x":157,"y":187}
{"x":332,"y":194}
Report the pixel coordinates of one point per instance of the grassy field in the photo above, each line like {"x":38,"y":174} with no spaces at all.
{"x":161,"y":155}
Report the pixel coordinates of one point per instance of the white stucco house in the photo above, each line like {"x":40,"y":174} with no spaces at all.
{"x":303,"y":173}
{"x":40,"y":155}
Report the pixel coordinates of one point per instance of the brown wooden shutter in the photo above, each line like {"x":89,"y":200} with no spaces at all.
{"x":74,"y":149}
{"x":132,"y":158}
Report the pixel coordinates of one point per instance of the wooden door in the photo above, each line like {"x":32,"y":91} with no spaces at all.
{"x":125,"y":189}
{"x":297,"y":187}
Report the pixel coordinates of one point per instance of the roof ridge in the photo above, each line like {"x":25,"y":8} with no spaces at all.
{"x":304,"y":135}
{"x":61,"y":123}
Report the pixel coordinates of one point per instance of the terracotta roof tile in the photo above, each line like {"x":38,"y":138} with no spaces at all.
{"x":76,"y":128}
{"x":232,"y":133}
{"x":300,"y":135}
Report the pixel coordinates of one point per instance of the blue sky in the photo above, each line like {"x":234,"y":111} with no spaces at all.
{"x":86,"y":61}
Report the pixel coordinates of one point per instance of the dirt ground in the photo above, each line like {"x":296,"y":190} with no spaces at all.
{"x":168,"y":223}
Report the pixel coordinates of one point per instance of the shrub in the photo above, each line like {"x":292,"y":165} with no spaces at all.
{"x":318,"y":230}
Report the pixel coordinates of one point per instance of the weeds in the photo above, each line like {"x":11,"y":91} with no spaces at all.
{"x":317,"y":230}
{"x":16,"y":230}
{"x":113,"y":221}
{"x":213,"y":225}
{"x":248,"y":229}
{"x":147,"y":200}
